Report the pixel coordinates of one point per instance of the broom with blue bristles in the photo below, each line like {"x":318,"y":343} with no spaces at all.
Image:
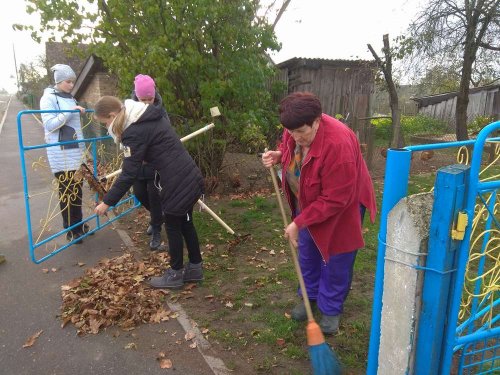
{"x":323,"y":359}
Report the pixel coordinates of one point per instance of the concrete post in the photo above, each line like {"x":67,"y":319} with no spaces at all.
{"x":407,"y":235}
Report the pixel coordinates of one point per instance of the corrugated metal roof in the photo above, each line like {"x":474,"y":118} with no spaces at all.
{"x":315,"y":63}
{"x":437,"y":98}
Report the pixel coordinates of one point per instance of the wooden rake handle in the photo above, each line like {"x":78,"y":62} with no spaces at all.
{"x":293,"y":250}
{"x":214,"y":215}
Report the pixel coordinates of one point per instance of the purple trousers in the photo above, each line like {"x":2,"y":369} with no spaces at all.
{"x":326,"y":283}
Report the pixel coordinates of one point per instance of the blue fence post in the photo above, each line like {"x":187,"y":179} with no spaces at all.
{"x":449,"y":198}
{"x":397,"y":172}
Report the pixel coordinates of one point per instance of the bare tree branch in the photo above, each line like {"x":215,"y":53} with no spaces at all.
{"x":280,"y":13}
{"x":489,"y":46}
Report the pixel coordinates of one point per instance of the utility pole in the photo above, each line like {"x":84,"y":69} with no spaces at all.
{"x":15,"y":64}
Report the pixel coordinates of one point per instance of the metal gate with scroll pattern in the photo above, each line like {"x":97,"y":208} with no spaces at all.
{"x":468,"y":332}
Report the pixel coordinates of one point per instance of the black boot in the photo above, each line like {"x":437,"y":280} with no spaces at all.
{"x":71,"y":235}
{"x":155,"y":243}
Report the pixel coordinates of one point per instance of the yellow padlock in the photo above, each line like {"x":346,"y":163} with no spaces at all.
{"x":459,"y":231}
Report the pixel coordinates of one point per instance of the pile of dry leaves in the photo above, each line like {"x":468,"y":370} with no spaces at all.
{"x":113,"y":293}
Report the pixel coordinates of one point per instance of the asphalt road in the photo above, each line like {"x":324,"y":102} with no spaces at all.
{"x":30,"y":299}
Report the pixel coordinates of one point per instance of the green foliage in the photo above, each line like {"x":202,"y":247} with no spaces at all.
{"x":253,"y":138}
{"x":479,"y":123}
{"x":33,"y":80}
{"x":201,"y":54}
{"x":383,"y":128}
{"x":439,"y":79}
{"x":411,"y":125}
{"x":422,"y":125}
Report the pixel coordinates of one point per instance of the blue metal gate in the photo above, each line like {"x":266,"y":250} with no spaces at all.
{"x":40,"y":189}
{"x":469,"y":337}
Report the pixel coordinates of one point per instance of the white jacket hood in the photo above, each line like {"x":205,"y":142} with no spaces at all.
{"x":133,"y":111}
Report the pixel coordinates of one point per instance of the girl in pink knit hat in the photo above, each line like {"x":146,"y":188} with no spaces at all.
{"x":144,"y":186}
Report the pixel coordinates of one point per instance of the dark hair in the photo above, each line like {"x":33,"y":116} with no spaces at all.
{"x":299,"y":109}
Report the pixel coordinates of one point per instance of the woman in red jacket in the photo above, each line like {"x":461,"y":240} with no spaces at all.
{"x":328,"y":188}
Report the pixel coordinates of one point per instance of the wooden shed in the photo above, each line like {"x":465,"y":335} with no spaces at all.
{"x":343,"y":86}
{"x":483,"y":101}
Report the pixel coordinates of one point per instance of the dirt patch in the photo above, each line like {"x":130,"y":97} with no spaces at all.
{"x":242,"y":173}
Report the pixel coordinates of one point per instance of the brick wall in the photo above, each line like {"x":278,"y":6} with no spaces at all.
{"x":101,"y":84}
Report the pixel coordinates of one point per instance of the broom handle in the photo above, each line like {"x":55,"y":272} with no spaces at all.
{"x":307,"y":304}
{"x":215,"y":216}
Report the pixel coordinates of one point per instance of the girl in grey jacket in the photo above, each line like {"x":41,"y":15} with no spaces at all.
{"x":65,"y":160}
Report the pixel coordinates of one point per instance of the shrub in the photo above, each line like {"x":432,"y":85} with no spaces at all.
{"x":411,"y":125}
{"x":382,"y":128}
{"x":479,"y":122}
{"x":420,"y":124}
{"x":253,"y":138}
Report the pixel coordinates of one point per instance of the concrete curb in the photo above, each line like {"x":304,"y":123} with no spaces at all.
{"x":5,"y":113}
{"x":216,"y":364}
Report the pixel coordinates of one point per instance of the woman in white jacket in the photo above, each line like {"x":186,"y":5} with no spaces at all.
{"x":65,"y":160}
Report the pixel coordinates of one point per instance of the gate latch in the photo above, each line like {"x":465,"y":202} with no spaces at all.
{"x":459,"y":231}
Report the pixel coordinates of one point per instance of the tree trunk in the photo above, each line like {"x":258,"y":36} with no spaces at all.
{"x":461,"y":112}
{"x":397,"y":135}
{"x":463,"y":94}
{"x":386,"y":68}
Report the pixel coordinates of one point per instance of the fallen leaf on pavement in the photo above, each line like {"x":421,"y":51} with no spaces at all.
{"x":165,"y":363}
{"x":189,"y":336}
{"x":193,"y":345}
{"x":32,"y":339}
{"x":131,"y":345}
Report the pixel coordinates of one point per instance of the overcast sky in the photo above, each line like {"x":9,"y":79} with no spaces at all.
{"x":310,"y":28}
